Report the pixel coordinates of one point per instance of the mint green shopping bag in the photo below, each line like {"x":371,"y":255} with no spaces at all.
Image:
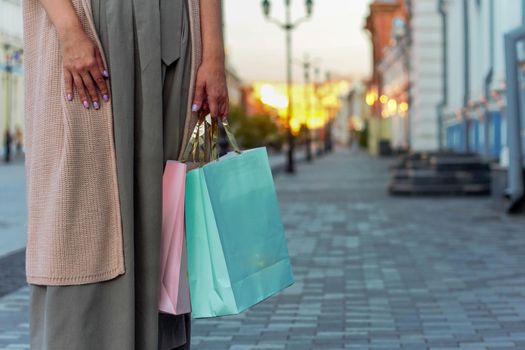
{"x":237,"y":251}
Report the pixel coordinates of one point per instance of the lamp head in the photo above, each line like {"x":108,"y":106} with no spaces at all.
{"x":309,"y":7}
{"x":266,"y":7}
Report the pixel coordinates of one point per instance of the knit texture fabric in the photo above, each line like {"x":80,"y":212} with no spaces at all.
{"x":74,"y":222}
{"x":74,"y":226}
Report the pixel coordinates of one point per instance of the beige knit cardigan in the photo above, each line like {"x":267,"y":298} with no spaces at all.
{"x":74,"y":218}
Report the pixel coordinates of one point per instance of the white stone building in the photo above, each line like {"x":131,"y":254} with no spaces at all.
{"x":341,"y":126}
{"x":412,"y":77}
{"x":11,"y":73}
{"x":426,"y":69}
{"x":394,"y":70}
{"x":474,"y":118}
{"x":485,"y":80}
{"x":457,"y":75}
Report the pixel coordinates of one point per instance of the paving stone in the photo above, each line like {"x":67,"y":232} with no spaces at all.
{"x":372,"y":271}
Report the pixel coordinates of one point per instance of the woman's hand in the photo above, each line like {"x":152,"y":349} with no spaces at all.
{"x":83,"y":68}
{"x":83,"y":65}
{"x":211,"y":91}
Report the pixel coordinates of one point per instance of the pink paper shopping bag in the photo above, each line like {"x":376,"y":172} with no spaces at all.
{"x":174,"y":287}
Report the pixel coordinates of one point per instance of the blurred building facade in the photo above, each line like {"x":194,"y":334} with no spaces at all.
{"x":11,"y":73}
{"x":358,"y":110}
{"x":479,"y":115}
{"x":342,"y":128}
{"x":386,"y":70}
{"x":474,"y":115}
{"x":395,"y":85}
{"x":426,"y":73}
{"x":406,"y":85}
{"x":459,"y":67}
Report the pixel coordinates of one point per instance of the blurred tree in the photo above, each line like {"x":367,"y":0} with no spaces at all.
{"x":256,"y":131}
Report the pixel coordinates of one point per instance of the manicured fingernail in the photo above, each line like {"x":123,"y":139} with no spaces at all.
{"x":194,"y":107}
{"x":86,"y":104}
{"x":69,"y":97}
{"x":105,"y":73}
{"x":105,"y":97}
{"x":95,"y":105}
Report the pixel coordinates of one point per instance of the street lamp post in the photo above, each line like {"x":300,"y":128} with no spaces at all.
{"x":317,"y":83}
{"x":307,"y":109}
{"x":329,"y":124}
{"x":288,"y":26}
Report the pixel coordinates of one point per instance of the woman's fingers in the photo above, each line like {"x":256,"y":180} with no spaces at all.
{"x":199,"y":95}
{"x":101,"y":83}
{"x":68,"y":82}
{"x":101,"y":65}
{"x":218,"y":99}
{"x":84,"y":70}
{"x":205,"y":106}
{"x":214,"y":107}
{"x":82,"y":94}
{"x":225,"y":109}
{"x":100,"y":76}
{"x":223,"y":103}
{"x":91,"y":88}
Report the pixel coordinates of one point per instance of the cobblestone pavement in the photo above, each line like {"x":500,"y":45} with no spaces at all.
{"x":372,"y":271}
{"x":13,"y":212}
{"x":14,"y":325}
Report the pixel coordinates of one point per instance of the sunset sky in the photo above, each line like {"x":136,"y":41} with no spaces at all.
{"x":334,"y":35}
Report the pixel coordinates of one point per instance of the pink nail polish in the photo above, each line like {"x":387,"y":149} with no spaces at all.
{"x":86,"y":104}
{"x":96,"y":105}
{"x":194,"y":108}
{"x":69,"y":97}
{"x":105,"y":73}
{"x":106,"y":98}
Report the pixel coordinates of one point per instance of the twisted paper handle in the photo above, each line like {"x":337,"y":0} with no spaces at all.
{"x":207,"y":129}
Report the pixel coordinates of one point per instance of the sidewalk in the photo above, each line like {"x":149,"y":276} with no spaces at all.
{"x":13,"y":214}
{"x":372,"y":271}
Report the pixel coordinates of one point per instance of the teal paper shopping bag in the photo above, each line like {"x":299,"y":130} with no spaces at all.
{"x":237,"y":251}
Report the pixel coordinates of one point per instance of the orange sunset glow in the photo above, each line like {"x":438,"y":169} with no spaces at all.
{"x":313,"y":104}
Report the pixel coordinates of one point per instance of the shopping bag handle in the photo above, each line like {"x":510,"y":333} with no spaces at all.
{"x":230,"y":136}
{"x":193,"y":147}
{"x":208,"y":128}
